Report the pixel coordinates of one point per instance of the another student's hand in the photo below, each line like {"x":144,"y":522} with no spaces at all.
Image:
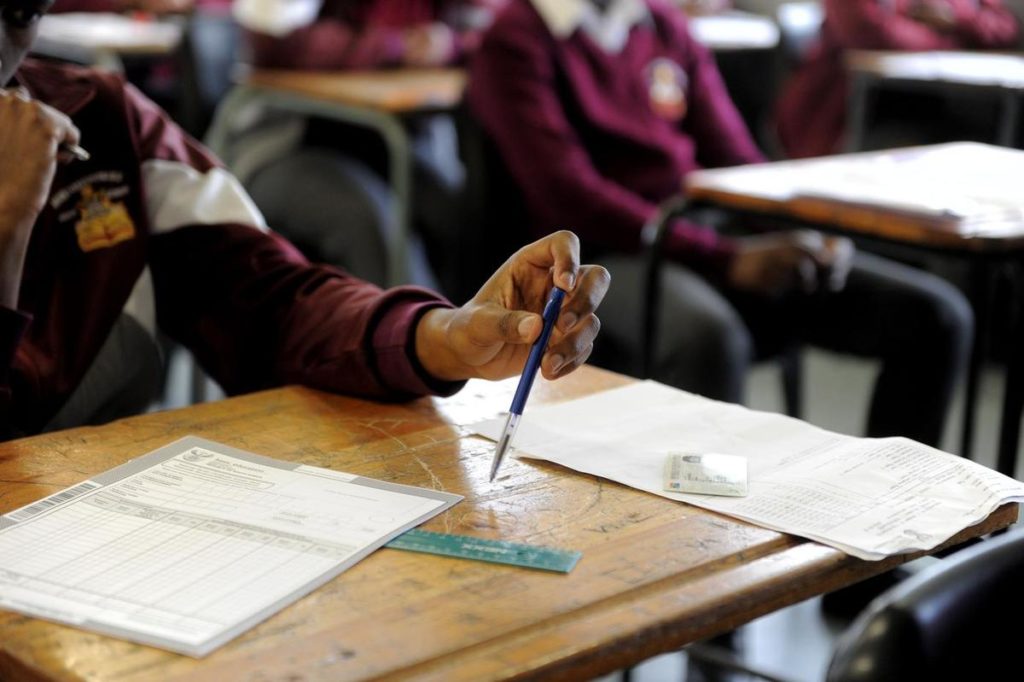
{"x":490,"y":336}
{"x":30,"y":136}
{"x":429,"y":45}
{"x":938,"y":14}
{"x":805,"y":261}
{"x":838,"y":255}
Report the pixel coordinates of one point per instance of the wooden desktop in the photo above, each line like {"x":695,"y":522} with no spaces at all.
{"x":655,"y":574}
{"x":898,"y":197}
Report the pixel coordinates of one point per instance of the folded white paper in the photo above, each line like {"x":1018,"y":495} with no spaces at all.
{"x":868,"y":497}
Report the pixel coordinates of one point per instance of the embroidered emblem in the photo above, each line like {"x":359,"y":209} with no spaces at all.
{"x":667,"y":84}
{"x":102,"y":221}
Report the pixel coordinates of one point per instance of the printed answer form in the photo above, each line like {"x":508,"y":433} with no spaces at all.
{"x":194,"y":543}
{"x":868,"y":497}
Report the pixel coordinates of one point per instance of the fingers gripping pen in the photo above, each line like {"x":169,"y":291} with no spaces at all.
{"x":551,"y":310}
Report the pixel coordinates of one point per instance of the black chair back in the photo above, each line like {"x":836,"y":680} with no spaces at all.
{"x":955,"y":621}
{"x":494,"y":223}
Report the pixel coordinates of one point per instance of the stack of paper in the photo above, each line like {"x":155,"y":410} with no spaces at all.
{"x":189,"y":546}
{"x":868,"y":497}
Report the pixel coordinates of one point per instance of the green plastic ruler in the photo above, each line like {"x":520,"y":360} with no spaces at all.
{"x":480,"y":549}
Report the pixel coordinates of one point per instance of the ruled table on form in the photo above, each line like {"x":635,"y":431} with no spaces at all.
{"x":187,"y":547}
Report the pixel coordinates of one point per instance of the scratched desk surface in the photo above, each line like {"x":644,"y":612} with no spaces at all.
{"x":654,"y":575}
{"x":397,"y":91}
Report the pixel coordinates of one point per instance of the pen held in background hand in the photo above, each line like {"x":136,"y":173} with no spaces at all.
{"x":551,"y":310}
{"x":75,"y":151}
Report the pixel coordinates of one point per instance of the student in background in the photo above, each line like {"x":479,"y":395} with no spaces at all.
{"x":151,"y":234}
{"x":326,"y":170}
{"x":812,"y":107}
{"x":600,"y":108}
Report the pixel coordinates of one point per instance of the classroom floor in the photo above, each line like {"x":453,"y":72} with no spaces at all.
{"x":794,"y":644}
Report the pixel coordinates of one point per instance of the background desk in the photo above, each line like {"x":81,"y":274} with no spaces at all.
{"x":1002,"y":75}
{"x":735,"y":30}
{"x":103,"y":39}
{"x":655,"y":574}
{"x":817,"y":193}
{"x":375,"y":99}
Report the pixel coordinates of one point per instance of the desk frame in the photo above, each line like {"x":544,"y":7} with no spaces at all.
{"x":388,"y":125}
{"x":865,"y":84}
{"x":984,"y":267}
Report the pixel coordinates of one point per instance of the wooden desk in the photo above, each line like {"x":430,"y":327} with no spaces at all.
{"x":102,"y":39}
{"x":655,"y":575}
{"x":836,"y":193}
{"x":998,"y":73}
{"x":375,"y":99}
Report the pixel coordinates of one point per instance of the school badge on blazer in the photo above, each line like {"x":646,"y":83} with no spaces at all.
{"x":102,"y":222}
{"x":667,"y":84}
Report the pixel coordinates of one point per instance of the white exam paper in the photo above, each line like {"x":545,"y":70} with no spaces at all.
{"x":868,"y":497}
{"x":190,"y":545}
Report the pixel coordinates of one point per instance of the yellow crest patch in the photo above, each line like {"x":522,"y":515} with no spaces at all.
{"x":102,"y":222}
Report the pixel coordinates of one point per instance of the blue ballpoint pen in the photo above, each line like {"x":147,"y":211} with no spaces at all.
{"x":551,"y":310}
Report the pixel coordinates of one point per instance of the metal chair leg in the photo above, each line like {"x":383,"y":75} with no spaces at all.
{"x":792,"y":381}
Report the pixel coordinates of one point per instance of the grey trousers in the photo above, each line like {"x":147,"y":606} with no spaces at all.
{"x":337,"y":209}
{"x":919,"y":325}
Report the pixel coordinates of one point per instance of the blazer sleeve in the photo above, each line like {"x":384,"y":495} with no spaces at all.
{"x":13,"y":324}
{"x":86,"y":6}
{"x":872,"y":25}
{"x":329,"y":44}
{"x":248,"y":305}
{"x":989,"y":25}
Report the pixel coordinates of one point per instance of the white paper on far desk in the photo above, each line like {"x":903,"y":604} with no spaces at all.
{"x":868,"y":497}
{"x":189,"y":546}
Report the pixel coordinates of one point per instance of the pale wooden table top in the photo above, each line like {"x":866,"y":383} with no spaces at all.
{"x":734,"y":30}
{"x":654,"y":575}
{"x":115,"y":33}
{"x":898,"y":194}
{"x":987,"y":69}
{"x":393,"y":91}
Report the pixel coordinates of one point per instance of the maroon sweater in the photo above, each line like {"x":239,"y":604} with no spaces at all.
{"x":86,"y":6}
{"x":812,"y":108}
{"x":114,"y":5}
{"x":365,"y":34}
{"x":243,"y":300}
{"x":585,"y":136}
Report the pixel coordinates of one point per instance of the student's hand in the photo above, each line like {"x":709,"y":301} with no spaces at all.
{"x":490,"y":336}
{"x":429,"y":45}
{"x":937,"y":14}
{"x":30,"y":136}
{"x":805,"y":261}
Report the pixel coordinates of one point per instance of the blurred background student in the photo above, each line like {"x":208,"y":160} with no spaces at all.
{"x":600,"y":108}
{"x":812,"y":106}
{"x":190,"y":81}
{"x":312,"y":179}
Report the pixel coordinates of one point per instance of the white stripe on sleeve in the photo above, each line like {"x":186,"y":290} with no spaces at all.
{"x":178,"y":195}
